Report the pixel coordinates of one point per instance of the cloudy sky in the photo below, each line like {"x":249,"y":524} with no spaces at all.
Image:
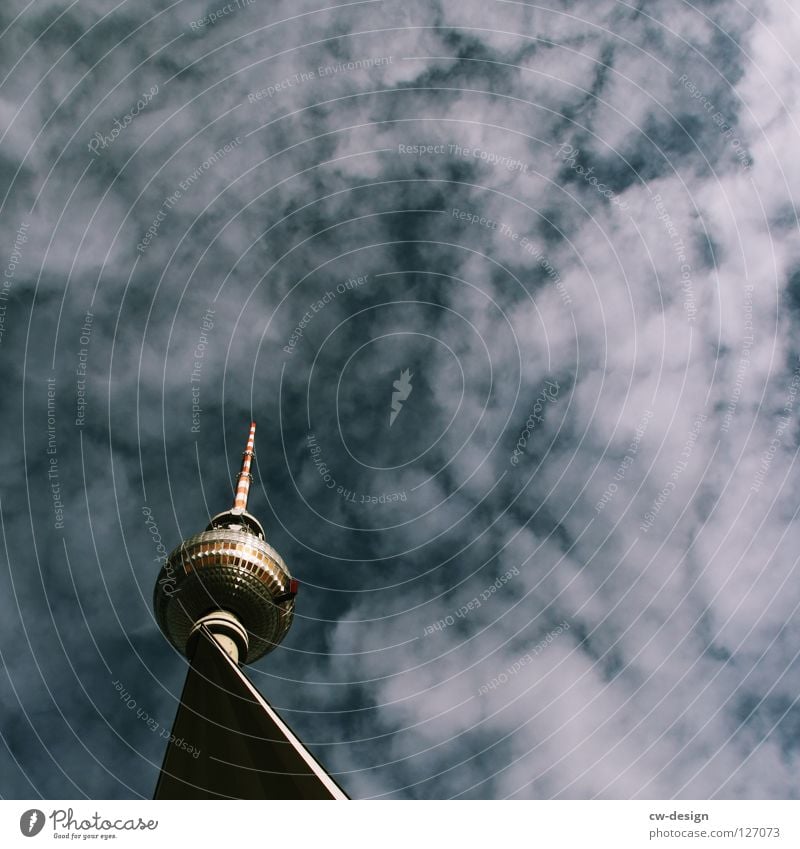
{"x":512,"y":291}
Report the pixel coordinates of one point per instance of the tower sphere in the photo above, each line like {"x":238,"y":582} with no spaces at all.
{"x":228,"y":575}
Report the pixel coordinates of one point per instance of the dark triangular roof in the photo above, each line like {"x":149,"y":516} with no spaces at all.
{"x":228,"y":743}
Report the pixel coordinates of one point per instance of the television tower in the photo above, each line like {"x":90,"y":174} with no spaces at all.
{"x":225,"y":597}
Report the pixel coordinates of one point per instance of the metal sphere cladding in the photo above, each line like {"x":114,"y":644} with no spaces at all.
{"x":228,"y":567}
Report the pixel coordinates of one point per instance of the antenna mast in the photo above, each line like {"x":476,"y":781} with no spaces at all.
{"x":243,"y":486}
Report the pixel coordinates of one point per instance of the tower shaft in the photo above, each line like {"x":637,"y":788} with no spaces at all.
{"x":228,"y":742}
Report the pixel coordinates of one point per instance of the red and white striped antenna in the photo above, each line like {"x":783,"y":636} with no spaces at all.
{"x":243,"y":486}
